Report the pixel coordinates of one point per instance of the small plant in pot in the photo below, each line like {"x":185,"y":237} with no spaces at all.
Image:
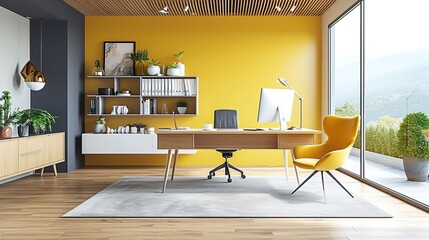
{"x":153,"y":67}
{"x":41,"y":121}
{"x":23,"y":120}
{"x":6,"y":116}
{"x":173,"y":70}
{"x":182,"y":106}
{"x":413,"y":146}
{"x":98,"y":70}
{"x":140,"y":56}
{"x":99,"y":125}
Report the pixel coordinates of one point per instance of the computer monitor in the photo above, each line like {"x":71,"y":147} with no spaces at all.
{"x":275,"y":105}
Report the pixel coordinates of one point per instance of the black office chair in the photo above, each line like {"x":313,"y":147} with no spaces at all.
{"x":225,"y":118}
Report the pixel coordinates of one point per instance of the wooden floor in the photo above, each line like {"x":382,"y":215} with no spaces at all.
{"x":31,"y":208}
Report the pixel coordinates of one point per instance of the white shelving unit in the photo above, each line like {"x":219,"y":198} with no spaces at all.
{"x":164,"y":87}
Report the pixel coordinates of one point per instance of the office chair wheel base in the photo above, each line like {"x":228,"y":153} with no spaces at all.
{"x":243,"y":176}
{"x":229,"y":180}
{"x":209,"y":176}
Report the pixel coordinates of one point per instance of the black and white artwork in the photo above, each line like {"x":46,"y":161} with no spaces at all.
{"x":117,"y":58}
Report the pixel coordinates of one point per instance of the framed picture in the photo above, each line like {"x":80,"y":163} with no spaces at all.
{"x":117,"y":58}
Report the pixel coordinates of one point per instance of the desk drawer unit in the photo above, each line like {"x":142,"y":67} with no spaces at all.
{"x":239,"y":141}
{"x":290,"y":141}
{"x":175,"y":141}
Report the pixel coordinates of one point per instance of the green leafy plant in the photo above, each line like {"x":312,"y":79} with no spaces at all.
{"x":179,"y":55}
{"x":6,"y":116}
{"x":411,"y":141}
{"x":41,"y":120}
{"x":140,"y":55}
{"x":181,"y":104}
{"x":173,"y":65}
{"x":97,"y":63}
{"x":153,"y":62}
{"x":100,"y":120}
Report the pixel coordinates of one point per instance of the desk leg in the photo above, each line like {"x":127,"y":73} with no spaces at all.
{"x":167,"y":167}
{"x":176,"y":154}
{"x":286,"y":163}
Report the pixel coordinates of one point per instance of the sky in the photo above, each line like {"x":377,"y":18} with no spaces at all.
{"x":391,"y":27}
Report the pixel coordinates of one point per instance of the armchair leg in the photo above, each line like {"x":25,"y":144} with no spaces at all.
{"x":296,"y":174}
{"x":332,"y":176}
{"x":323,"y":186}
{"x":304,"y":181}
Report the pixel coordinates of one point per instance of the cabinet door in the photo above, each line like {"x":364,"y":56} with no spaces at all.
{"x":99,"y":143}
{"x":8,"y":157}
{"x":55,"y":147}
{"x":32,"y":152}
{"x":136,"y":143}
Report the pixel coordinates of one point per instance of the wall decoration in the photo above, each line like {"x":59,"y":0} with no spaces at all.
{"x":117,"y":58}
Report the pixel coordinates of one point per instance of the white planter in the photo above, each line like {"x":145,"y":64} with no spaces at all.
{"x":173,"y":72}
{"x":182,"y":110}
{"x":153,"y":70}
{"x":181,"y":66}
{"x":99,"y":128}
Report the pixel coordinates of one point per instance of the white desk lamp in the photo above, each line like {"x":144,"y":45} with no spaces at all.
{"x":283,"y":82}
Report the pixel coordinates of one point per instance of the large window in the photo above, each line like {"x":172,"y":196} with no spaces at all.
{"x":395,"y":80}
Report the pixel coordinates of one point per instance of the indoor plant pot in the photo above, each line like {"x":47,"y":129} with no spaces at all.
{"x":182,"y":106}
{"x":413,"y":146}
{"x":6,"y":117}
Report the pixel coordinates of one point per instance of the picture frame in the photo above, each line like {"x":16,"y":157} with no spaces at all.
{"x":117,"y":58}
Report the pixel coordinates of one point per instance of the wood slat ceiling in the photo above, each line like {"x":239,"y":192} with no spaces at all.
{"x":200,"y":7}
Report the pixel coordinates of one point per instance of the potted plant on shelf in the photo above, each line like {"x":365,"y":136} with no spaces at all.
{"x":413,"y":146}
{"x":153,"y":67}
{"x":173,"y":70}
{"x":180,"y":65}
{"x":140,"y":56}
{"x":182,"y":106}
{"x":98,"y":70}
{"x":99,"y":125}
{"x":6,"y":117}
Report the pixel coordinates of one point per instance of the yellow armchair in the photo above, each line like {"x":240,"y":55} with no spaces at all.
{"x":341,"y":133}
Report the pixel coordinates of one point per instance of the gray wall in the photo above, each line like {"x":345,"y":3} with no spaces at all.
{"x":63,"y":63}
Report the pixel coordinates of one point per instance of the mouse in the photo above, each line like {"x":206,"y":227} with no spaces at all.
{"x":293,"y":128}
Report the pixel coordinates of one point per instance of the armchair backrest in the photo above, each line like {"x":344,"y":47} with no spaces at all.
{"x":225,"y":118}
{"x":341,"y":131}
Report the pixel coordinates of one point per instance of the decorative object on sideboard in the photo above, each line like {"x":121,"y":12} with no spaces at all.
{"x":97,"y":70}
{"x":124,"y":92}
{"x":100,"y":125}
{"x":23,"y":120}
{"x":173,"y":70}
{"x":140,"y":56}
{"x":413,"y":146}
{"x":285,"y":83}
{"x":164,"y":109}
{"x":153,"y":68}
{"x":6,"y":116}
{"x":180,"y":65}
{"x":117,"y":58}
{"x":182,"y":106}
{"x":34,"y":78}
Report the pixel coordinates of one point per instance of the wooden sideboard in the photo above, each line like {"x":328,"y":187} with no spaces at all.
{"x":25,"y":154}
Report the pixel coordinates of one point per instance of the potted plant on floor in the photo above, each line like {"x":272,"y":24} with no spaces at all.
{"x":182,"y":106}
{"x":153,"y":67}
{"x":413,"y":147}
{"x":6,"y":117}
{"x":140,"y":56}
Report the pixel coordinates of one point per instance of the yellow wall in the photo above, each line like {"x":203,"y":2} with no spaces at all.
{"x":234,"y":58}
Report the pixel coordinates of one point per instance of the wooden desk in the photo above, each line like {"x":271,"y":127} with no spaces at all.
{"x":230,"y":139}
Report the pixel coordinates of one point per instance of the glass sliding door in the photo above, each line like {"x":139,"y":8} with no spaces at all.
{"x":396,"y":84}
{"x":345,"y":68}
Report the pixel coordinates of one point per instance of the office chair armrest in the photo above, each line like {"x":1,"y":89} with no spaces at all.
{"x":333,"y":160}
{"x":309,"y":151}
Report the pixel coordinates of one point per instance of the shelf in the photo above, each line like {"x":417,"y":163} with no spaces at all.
{"x":144,"y":77}
{"x":169,"y":96}
{"x":113,"y":96}
{"x":141,"y":115}
{"x":137,"y":77}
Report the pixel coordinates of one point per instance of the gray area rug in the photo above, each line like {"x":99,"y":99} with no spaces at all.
{"x":137,"y":196}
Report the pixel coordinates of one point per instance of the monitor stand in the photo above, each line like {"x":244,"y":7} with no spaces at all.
{"x":282,"y":120}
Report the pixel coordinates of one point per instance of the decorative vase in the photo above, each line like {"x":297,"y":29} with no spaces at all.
{"x":5,"y":132}
{"x":182,"y":110}
{"x":416,"y":169}
{"x":141,"y":68}
{"x":153,"y":70}
{"x":99,"y":128}
{"x":173,"y":72}
{"x":23,"y":130}
{"x":98,"y":71}
{"x":181,"y":66}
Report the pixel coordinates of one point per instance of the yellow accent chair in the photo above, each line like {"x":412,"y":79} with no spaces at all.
{"x":341,"y":133}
